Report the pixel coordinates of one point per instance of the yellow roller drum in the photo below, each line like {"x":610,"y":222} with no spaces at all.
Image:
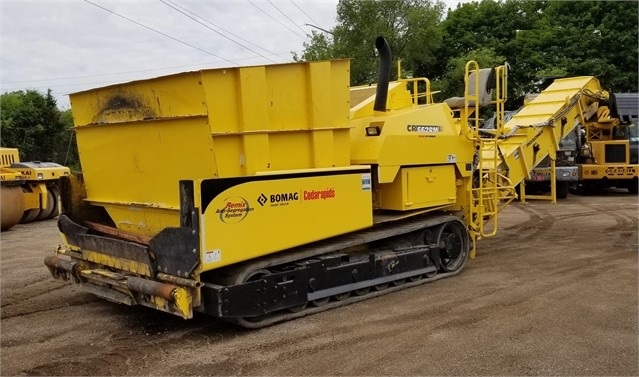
{"x":45,"y":213}
{"x":11,"y":206}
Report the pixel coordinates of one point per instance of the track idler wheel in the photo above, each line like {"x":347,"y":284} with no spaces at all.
{"x":252,"y":276}
{"x":452,"y":239}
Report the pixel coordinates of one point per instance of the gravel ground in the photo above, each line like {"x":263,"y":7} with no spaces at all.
{"x":553,"y":293}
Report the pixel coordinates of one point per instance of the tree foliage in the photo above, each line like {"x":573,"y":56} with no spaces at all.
{"x":31,"y":122}
{"x":320,"y":47}
{"x":539,"y":39}
{"x":409,"y":26}
{"x":451,"y":84}
{"x":594,"y":38}
{"x":490,"y":27}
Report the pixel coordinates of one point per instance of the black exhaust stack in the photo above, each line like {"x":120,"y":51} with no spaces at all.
{"x":385,"y":59}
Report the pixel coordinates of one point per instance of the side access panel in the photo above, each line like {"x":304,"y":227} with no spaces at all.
{"x":420,"y":187}
{"x":246,"y":217}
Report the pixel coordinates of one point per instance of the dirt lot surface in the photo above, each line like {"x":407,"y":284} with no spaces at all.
{"x":554,"y":293}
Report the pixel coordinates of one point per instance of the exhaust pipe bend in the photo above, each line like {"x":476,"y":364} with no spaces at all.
{"x":385,"y":59}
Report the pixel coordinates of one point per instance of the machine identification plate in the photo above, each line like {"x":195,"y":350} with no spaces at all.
{"x":213,"y":256}
{"x":366,"y":182}
{"x":620,"y":170}
{"x":423,"y":128}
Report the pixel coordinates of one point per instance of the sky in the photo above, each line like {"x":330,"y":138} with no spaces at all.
{"x":74,"y":45}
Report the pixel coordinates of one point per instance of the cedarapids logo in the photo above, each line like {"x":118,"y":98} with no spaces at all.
{"x":280,"y":199}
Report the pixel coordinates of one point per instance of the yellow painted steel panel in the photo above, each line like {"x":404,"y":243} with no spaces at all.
{"x":598,"y":150}
{"x":274,"y":212}
{"x":420,"y":187}
{"x":141,"y":163}
{"x":430,"y":186}
{"x":8,"y":156}
{"x":163,"y":97}
{"x":142,"y":220}
{"x":252,"y":99}
{"x":530,"y":145}
{"x":116,"y":262}
{"x":137,"y":140}
{"x":415,"y":136}
{"x":221,"y":91}
{"x":608,"y":171}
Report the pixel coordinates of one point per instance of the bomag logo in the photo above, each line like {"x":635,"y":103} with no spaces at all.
{"x":235,"y":210}
{"x":281,"y":199}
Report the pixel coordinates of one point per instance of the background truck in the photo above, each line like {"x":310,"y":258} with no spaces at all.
{"x":258,"y":194}
{"x":600,"y":153}
{"x":608,"y":150}
{"x":29,"y":190}
{"x":566,"y":172}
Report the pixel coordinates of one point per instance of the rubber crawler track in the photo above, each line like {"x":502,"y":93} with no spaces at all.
{"x":286,"y":316}
{"x":385,"y":231}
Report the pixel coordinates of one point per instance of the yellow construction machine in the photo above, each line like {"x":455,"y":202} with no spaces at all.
{"x":28,"y":190}
{"x":607,"y":156}
{"x":258,"y":194}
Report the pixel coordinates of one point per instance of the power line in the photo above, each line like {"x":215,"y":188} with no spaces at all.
{"x":223,"y":29}
{"x":159,"y":32}
{"x":119,"y":73}
{"x":306,"y":14}
{"x":278,"y":21}
{"x":210,"y":28}
{"x":283,"y":14}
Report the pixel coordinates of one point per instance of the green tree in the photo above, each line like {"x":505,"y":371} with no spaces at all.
{"x":594,"y":38}
{"x":491,"y":28}
{"x":66,"y":146}
{"x":320,"y":47}
{"x":409,"y":26}
{"x":542,"y":39}
{"x":31,"y":122}
{"x":451,"y":84}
